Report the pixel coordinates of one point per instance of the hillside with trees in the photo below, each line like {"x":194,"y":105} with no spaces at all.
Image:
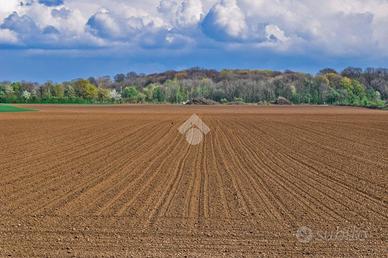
{"x":352,"y":86}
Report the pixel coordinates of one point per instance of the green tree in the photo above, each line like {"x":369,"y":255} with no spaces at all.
{"x":141,"y":97}
{"x":69,"y":92}
{"x":103,"y":94}
{"x":322,"y":85}
{"x":149,"y":92}
{"x":84,"y":89}
{"x":332,"y":96}
{"x":131,"y":94}
{"x":358,"y":88}
{"x":47,"y":91}
{"x":334,"y":80}
{"x":174,"y":93}
{"x":7,"y":91}
{"x":59,"y":91}
{"x":158,"y":95}
{"x":347,"y":84}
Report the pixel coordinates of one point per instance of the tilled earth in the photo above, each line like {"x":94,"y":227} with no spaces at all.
{"x":116,"y":181}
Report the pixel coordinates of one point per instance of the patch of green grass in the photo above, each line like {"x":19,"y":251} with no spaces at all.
{"x":9,"y":109}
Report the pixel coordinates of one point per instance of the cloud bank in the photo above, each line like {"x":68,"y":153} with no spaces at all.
{"x":330,"y":28}
{"x":337,"y":27}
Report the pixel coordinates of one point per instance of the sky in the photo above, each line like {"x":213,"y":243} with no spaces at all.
{"x":61,"y":40}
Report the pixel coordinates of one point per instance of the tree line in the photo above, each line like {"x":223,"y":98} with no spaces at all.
{"x":352,"y":86}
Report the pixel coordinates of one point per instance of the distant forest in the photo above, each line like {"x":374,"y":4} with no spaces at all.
{"x":352,"y":86}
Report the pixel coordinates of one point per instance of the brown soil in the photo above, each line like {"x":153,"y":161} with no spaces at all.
{"x":116,"y":181}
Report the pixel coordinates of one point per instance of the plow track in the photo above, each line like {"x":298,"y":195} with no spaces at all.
{"x":122,"y":181}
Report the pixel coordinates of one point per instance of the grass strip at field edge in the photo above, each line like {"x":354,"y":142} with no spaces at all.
{"x":14,"y":109}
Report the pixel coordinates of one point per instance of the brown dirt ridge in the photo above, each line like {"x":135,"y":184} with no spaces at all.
{"x":121,"y":181}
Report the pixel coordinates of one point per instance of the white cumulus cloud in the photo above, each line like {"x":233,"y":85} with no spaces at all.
{"x":346,"y":27}
{"x":226,"y":21}
{"x":8,"y":37}
{"x":181,"y":13}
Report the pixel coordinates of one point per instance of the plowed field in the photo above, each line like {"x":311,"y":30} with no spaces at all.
{"x":89,"y":181}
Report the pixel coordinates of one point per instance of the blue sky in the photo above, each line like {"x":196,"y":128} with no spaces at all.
{"x":65,"y":39}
